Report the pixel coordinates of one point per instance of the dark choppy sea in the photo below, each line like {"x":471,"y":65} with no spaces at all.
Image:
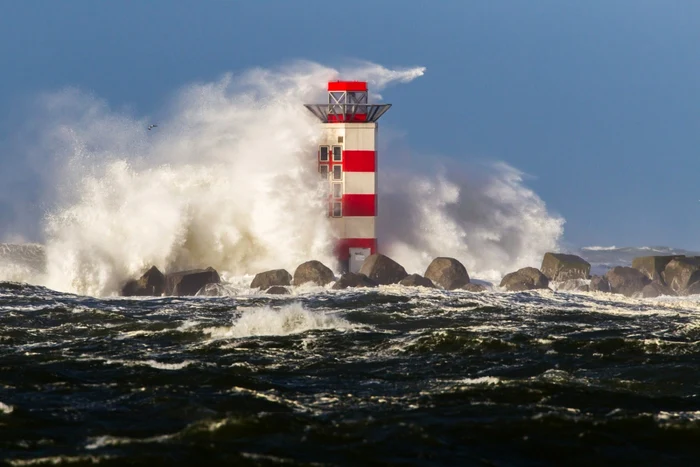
{"x":393,"y":376}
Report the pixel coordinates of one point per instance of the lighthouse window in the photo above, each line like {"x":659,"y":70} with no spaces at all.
{"x":323,"y":154}
{"x":337,"y":190}
{"x":337,"y":209}
{"x":337,"y":172}
{"x":323,"y":170}
{"x":337,"y":153}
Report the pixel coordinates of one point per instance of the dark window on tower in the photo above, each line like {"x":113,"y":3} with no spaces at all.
{"x":337,"y":209}
{"x":337,"y":190}
{"x":323,"y":154}
{"x":323,"y":170}
{"x":337,"y":153}
{"x":337,"y":172}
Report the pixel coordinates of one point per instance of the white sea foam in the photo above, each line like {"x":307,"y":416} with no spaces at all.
{"x":226,"y":180}
{"x":6,"y":409}
{"x":290,"y":319}
{"x":487,"y":380}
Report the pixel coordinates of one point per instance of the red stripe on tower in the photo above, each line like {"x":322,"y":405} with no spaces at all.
{"x":359,"y":205}
{"x":342,"y":247}
{"x":359,"y":161}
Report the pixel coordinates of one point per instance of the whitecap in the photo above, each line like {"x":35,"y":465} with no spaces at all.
{"x":267,"y":321}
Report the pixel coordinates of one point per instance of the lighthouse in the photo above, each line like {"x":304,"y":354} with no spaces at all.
{"x":347,"y":159}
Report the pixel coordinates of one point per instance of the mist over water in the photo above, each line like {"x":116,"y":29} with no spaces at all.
{"x":228,"y":179}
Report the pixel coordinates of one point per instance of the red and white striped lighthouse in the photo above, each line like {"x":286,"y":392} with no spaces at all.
{"x":347,"y":157}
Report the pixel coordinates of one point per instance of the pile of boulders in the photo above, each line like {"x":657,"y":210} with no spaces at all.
{"x":649,"y":276}
{"x":377,"y":269}
{"x":155,"y":283}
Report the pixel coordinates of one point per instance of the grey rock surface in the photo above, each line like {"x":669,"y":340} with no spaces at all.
{"x":265,"y":280}
{"x":563,"y":267}
{"x":447,"y":273}
{"x":313,"y":271}
{"x":525,"y":279}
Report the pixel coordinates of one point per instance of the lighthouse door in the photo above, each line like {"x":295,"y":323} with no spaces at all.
{"x":357,"y":257}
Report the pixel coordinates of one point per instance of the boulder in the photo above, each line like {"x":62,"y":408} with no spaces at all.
{"x":447,"y":273}
{"x":277,"y":290}
{"x":265,"y":280}
{"x":626,"y":281}
{"x":653,"y":266}
{"x":599,"y":284}
{"x":525,"y":279}
{"x":416,"y":280}
{"x":680,"y":273}
{"x":313,"y":271}
{"x":353,"y":279}
{"x":213,"y":290}
{"x":655,"y":289}
{"x":151,"y":283}
{"x":562,"y":267}
{"x":382,"y":269}
{"x":471,"y":287}
{"x":190,"y":282}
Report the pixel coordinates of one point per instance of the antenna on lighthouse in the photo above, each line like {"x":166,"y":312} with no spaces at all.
{"x":347,"y":159}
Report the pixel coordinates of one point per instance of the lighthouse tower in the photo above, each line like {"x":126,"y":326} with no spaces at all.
{"x":347,"y":158}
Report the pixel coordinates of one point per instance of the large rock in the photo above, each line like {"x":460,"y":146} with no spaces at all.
{"x":626,"y":281}
{"x":152,"y":283}
{"x":599,"y":284}
{"x":416,"y":280}
{"x":447,"y":273}
{"x":313,"y":271}
{"x":653,"y":266}
{"x":525,"y":279}
{"x":680,"y":273}
{"x":656,"y":289}
{"x":353,"y":279}
{"x":265,"y":280}
{"x":471,"y":287}
{"x":190,"y":282}
{"x":382,"y":269}
{"x":562,"y":267}
{"x":277,"y":290}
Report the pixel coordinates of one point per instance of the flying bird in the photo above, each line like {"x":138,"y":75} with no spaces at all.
{"x":150,"y":127}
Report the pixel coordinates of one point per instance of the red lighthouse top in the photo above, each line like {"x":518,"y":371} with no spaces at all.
{"x":348,"y":103}
{"x":354,"y":86}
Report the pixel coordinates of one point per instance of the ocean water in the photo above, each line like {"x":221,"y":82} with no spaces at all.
{"x":388,"y":376}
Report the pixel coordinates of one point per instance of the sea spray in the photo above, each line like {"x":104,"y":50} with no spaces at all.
{"x":225,"y":181}
{"x":228,"y":180}
{"x":483,"y":216}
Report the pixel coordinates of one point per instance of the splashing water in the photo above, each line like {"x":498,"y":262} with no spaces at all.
{"x":290,"y":319}
{"x":226,"y":181}
{"x":489,"y":221}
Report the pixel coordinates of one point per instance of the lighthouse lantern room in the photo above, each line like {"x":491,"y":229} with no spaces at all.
{"x":347,"y":158}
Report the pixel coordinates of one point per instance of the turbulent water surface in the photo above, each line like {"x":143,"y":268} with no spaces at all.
{"x":392,"y":376}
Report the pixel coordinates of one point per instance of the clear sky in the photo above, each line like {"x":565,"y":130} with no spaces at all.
{"x":599,"y":101}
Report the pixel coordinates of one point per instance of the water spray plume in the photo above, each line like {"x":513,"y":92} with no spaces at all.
{"x":229,"y":180}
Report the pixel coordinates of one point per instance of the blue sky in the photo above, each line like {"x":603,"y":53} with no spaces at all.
{"x":598,"y":101}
